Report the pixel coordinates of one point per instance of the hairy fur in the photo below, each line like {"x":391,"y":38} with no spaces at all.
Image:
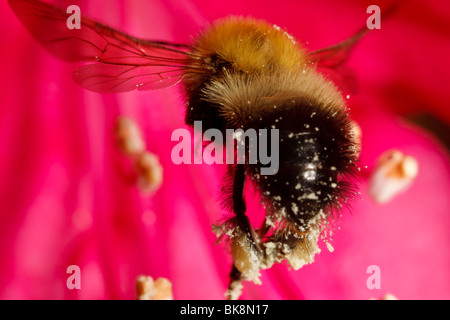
{"x":259,"y":77}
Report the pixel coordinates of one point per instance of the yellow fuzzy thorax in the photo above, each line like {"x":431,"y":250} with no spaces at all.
{"x":250,"y":45}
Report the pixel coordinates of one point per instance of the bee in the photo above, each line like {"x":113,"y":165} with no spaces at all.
{"x":238,"y":73}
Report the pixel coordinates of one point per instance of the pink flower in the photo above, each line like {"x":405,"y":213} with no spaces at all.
{"x":66,"y":196}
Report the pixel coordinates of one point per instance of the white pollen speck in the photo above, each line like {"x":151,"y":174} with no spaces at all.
{"x":291,"y":135}
{"x":294,"y":208}
{"x":329,"y":247}
{"x":298,"y":186}
{"x":310,"y":196}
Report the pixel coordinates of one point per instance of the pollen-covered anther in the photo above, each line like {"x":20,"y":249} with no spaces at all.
{"x":247,"y":259}
{"x":150,"y":172}
{"x":149,"y":289}
{"x":128,"y":136}
{"x":387,"y":296}
{"x":393,"y":174}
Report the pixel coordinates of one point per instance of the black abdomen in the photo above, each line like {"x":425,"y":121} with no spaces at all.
{"x":316,"y":158}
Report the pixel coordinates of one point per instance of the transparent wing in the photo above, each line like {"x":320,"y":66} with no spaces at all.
{"x":120,"y":62}
{"x":331,"y":61}
{"x":337,"y":54}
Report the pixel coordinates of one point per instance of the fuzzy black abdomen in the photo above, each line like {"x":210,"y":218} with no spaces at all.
{"x":317,"y":154}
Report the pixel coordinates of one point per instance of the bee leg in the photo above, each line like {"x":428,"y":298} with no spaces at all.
{"x":237,"y":174}
{"x":240,"y":208}
{"x":235,"y":285}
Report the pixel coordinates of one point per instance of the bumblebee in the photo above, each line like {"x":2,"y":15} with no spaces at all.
{"x":238,"y":73}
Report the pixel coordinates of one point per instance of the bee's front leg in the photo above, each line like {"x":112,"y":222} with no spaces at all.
{"x":239,"y":207}
{"x":245,"y":242}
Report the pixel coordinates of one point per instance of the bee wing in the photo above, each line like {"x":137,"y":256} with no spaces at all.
{"x":337,"y":54}
{"x":331,"y":61}
{"x":120,"y":61}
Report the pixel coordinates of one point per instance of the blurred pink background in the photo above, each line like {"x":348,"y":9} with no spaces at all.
{"x":65,"y":198}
